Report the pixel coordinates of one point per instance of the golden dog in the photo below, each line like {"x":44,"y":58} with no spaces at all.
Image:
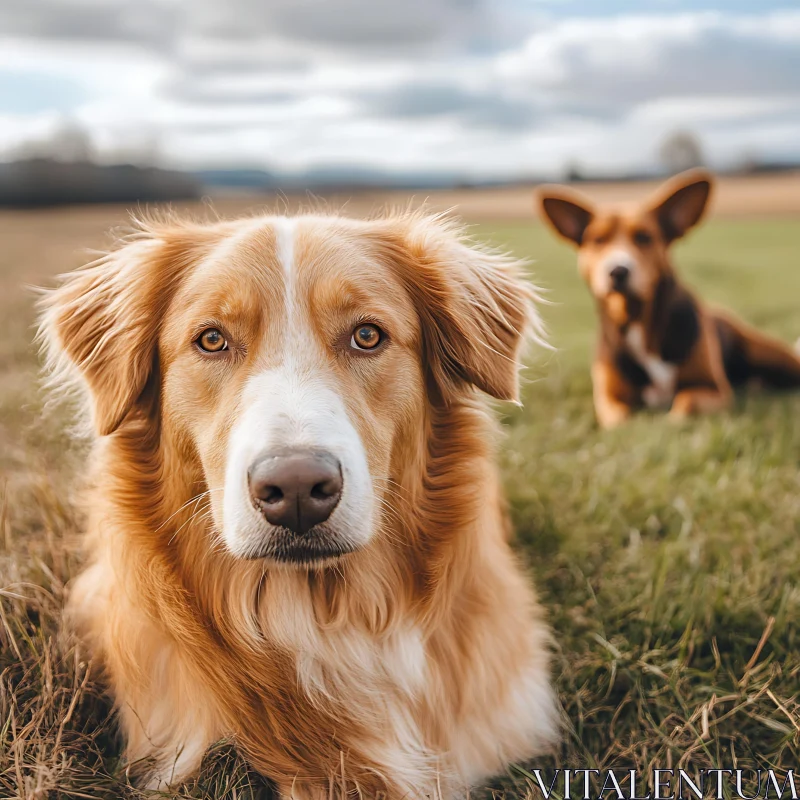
{"x":296,"y":534}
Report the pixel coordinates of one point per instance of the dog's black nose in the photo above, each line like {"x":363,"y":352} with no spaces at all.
{"x":619,"y":275}
{"x":296,"y":489}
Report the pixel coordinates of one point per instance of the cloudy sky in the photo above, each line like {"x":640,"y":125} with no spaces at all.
{"x":483,"y":87}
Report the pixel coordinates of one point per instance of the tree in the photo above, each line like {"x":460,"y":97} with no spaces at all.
{"x":68,"y":143}
{"x":573,"y":172}
{"x":71,"y":143}
{"x":681,"y":150}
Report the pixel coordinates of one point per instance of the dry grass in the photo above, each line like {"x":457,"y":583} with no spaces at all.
{"x":667,"y":556}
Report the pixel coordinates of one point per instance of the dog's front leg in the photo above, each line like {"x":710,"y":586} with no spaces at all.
{"x":610,"y":413}
{"x":167,"y":732}
{"x":611,"y":409}
{"x":165,"y":714}
{"x":688,"y":402}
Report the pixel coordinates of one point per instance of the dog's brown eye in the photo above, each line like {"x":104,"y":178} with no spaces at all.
{"x":366,"y":337}
{"x":642,"y":238}
{"x":212,"y":341}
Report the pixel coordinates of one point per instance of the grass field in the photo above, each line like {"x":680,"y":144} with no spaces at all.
{"x":668,"y":556}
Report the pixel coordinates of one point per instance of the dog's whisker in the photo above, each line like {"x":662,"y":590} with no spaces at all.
{"x":391,"y":481}
{"x":395,"y":517}
{"x":398,"y":496}
{"x":196,"y":498}
{"x":196,"y":516}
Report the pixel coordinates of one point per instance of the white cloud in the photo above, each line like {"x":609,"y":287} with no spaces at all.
{"x":445,"y":84}
{"x":626,"y":60}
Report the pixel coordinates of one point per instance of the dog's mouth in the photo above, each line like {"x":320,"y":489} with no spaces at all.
{"x":625,"y":302}
{"x":318,"y":546}
{"x":621,"y":289}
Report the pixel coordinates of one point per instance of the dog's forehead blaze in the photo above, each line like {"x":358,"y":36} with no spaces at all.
{"x":324,"y":271}
{"x":605,"y":225}
{"x":340,"y":276}
{"x":640,"y":220}
{"x":621,"y":223}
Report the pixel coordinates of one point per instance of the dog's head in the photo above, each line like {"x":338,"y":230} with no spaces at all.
{"x":622,"y":252}
{"x":289,"y":362}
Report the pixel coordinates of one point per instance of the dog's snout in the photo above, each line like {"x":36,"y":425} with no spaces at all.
{"x":619,"y":274}
{"x":296,"y":489}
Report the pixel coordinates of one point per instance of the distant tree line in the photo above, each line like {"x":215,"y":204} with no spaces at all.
{"x":38,"y":182}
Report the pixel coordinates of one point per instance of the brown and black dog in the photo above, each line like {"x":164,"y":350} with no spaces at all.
{"x":659,"y":345}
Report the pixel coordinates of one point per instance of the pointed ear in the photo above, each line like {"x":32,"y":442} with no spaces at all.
{"x":569,"y":213}
{"x":101,"y":324}
{"x":474,"y":305}
{"x":680,"y":203}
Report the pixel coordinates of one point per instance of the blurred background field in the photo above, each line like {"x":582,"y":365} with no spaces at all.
{"x":666,"y":555}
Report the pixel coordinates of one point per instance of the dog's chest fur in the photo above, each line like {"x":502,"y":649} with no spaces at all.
{"x":662,"y":374}
{"x":651,"y":358}
{"x":393,"y":681}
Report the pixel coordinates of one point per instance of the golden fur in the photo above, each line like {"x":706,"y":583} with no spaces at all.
{"x":416,"y":665}
{"x":659,"y":345}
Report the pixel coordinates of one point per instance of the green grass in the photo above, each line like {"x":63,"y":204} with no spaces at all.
{"x":663,"y":553}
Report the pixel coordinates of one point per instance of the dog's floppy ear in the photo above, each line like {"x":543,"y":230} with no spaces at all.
{"x":101,"y":324}
{"x":569,"y":213}
{"x":474,"y":305}
{"x":680,"y":203}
